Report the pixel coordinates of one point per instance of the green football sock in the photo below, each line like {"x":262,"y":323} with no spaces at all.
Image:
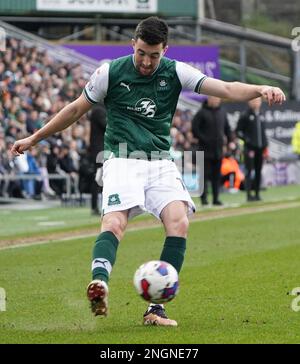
{"x":173,"y":251}
{"x":104,"y":255}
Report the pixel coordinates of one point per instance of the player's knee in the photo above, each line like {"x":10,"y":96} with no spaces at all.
{"x":114,"y":224}
{"x":183,"y":225}
{"x":179,"y":226}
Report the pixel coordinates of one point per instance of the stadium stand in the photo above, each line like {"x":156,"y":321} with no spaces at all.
{"x":37,"y":80}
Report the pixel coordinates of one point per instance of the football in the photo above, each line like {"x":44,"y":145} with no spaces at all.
{"x":156,"y":281}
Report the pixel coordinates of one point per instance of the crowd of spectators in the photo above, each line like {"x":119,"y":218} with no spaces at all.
{"x":34,"y":87}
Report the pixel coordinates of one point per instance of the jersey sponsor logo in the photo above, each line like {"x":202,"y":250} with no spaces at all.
{"x":123,"y":84}
{"x":114,"y":199}
{"x":146,"y":107}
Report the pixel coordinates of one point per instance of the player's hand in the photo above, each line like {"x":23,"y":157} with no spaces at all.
{"x":21,"y":145}
{"x":273,"y":95}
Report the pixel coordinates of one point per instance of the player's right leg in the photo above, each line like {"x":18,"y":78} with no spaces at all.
{"x":104,"y":256}
{"x":123,"y":197}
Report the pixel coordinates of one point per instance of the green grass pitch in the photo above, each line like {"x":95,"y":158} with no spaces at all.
{"x":234,"y":286}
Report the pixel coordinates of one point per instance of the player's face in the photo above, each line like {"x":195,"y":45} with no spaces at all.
{"x":147,"y":57}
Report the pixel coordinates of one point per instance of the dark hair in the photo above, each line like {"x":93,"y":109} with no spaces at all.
{"x":152,"y":31}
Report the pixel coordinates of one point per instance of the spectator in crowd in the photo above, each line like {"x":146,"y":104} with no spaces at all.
{"x":33,"y":123}
{"x":2,"y":162}
{"x":98,"y":125}
{"x":74,"y":155}
{"x":251,"y":129}
{"x":296,"y":139}
{"x":26,"y":104}
{"x":44,"y":152}
{"x":231,"y":175}
{"x":53,"y":168}
{"x":210,"y":126}
{"x":66,"y":164}
{"x":33,"y":188}
{"x":8,"y":168}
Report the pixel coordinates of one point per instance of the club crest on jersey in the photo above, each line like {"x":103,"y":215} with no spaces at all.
{"x":146,"y":107}
{"x":162,"y":85}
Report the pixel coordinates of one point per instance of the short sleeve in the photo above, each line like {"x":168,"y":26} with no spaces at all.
{"x":96,"y":89}
{"x":190,"y":78}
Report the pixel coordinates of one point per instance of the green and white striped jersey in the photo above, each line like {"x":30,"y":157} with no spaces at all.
{"x":140,"y":108}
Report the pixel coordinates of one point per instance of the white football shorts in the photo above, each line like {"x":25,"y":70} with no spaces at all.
{"x":141,"y":185}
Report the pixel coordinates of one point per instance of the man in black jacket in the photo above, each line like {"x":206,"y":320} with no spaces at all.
{"x":251,"y":129}
{"x":210,"y":126}
{"x":98,"y":125}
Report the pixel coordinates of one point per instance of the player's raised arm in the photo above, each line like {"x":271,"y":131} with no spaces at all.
{"x":238,"y":91}
{"x":66,"y":117}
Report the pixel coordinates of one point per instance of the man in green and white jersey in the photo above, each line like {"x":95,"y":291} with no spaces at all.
{"x":140,"y":93}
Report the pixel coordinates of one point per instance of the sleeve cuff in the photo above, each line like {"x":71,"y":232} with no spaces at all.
{"x":88,"y":97}
{"x":199,"y":84}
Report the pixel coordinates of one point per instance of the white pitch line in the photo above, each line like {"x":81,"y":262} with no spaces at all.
{"x":220,"y":215}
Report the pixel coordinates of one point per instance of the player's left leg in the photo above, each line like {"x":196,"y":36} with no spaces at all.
{"x":168,"y":199}
{"x":176,"y":223}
